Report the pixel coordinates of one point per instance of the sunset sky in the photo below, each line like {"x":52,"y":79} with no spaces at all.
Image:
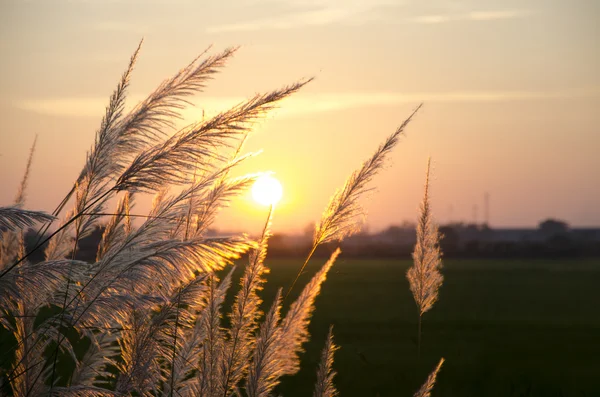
{"x":511,"y":92}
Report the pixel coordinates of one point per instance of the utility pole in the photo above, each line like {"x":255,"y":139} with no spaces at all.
{"x":486,"y":208}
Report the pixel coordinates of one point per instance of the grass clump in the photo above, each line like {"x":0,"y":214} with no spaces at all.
{"x":149,"y":308}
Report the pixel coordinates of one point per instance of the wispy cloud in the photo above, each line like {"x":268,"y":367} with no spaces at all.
{"x":95,"y":106}
{"x":303,"y":13}
{"x":119,"y":27}
{"x":504,"y":14}
{"x":431,"y":19}
{"x":315,"y":103}
{"x":105,"y":2}
{"x":303,"y":104}
{"x":311,"y":13}
{"x":472,"y":16}
{"x":289,"y":21}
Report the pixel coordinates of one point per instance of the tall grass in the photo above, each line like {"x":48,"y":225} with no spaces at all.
{"x":324,"y":386}
{"x":145,"y":317}
{"x":424,"y":276}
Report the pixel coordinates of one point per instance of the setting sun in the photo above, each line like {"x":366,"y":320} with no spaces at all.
{"x":267,"y":190}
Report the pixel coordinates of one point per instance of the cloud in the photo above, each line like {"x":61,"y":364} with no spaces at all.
{"x":303,"y":104}
{"x":310,"y":13}
{"x":95,"y":107}
{"x":426,"y":19}
{"x":472,"y":16}
{"x":104,"y":2}
{"x":492,"y":15}
{"x":290,"y":21}
{"x":119,"y":27}
{"x":77,"y":107}
{"x":302,"y":13}
{"x":315,"y":103}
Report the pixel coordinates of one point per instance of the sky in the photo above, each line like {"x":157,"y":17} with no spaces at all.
{"x":511,"y":93}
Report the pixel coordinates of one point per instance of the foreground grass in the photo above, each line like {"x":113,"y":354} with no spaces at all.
{"x":506,"y":328}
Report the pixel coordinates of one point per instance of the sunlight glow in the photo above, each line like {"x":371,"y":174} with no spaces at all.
{"x":267,"y":190}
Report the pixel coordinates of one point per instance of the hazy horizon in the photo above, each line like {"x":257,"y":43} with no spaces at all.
{"x":511,"y":92}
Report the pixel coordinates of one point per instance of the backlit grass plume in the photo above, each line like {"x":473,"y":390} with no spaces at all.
{"x":425,"y":390}
{"x":14,"y":218}
{"x":295,"y":324}
{"x":340,"y":218}
{"x":143,"y":316}
{"x":324,"y":386}
{"x":151,"y":289}
{"x":424,"y":276}
{"x":244,"y":316}
{"x":21,"y":192}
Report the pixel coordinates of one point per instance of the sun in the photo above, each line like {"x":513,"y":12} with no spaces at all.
{"x":267,"y":190}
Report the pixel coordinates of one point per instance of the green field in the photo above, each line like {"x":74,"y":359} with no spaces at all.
{"x":506,"y":328}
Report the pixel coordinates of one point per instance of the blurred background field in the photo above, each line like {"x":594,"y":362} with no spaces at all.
{"x":505,"y":327}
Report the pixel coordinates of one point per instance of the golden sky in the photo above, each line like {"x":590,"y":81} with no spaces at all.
{"x":511,"y":92}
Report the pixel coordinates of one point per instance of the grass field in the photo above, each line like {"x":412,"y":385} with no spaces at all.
{"x":506,"y":328}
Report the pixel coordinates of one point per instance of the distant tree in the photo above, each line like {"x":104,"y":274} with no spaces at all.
{"x":450,"y":239}
{"x":309,"y":230}
{"x":393,"y":232}
{"x":553,"y":227}
{"x":406,"y":224}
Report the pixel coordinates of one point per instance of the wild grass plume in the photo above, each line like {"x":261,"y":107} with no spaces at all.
{"x":425,"y":390}
{"x":148,"y":307}
{"x":325,"y":374}
{"x":13,"y":218}
{"x":340,"y":218}
{"x":424,"y":276}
